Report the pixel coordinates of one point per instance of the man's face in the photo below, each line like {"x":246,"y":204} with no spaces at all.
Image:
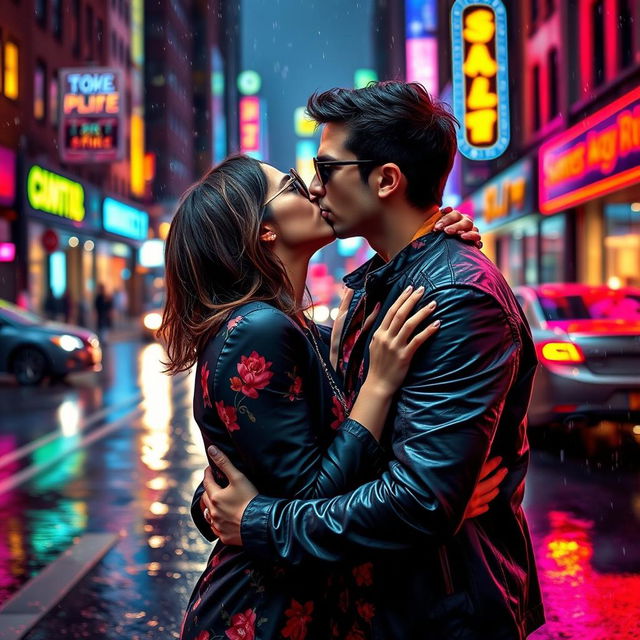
{"x":348,"y":204}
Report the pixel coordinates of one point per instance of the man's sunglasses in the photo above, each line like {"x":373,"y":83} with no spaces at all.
{"x":295,"y":181}
{"x":325,"y":167}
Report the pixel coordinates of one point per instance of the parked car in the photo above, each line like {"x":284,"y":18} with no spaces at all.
{"x":588,"y":344}
{"x":32,"y":348}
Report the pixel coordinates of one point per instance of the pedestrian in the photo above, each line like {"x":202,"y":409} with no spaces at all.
{"x":236,"y":262}
{"x":51,"y":305}
{"x":422,"y":570}
{"x":103,"y":305}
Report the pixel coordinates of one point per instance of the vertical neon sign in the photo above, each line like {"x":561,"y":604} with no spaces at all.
{"x":422,"y":43}
{"x":480,"y":77}
{"x":250,"y":126}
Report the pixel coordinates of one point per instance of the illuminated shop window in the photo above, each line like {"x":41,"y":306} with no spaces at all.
{"x":11,"y":87}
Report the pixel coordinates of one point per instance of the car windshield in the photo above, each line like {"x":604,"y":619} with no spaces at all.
{"x":16,"y":314}
{"x":598,"y":304}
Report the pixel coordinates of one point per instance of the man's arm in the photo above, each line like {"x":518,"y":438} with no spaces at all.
{"x":448,"y":410}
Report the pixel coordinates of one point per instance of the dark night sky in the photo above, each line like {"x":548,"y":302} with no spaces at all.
{"x":299,"y":46}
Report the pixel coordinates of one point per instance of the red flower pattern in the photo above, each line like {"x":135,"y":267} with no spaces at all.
{"x":366,"y":610}
{"x":243,"y":626}
{"x":203,"y":635}
{"x":204,"y":384}
{"x":295,"y":390}
{"x":254,"y":375}
{"x":347,"y":347}
{"x":355,"y":633}
{"x":343,"y":601}
{"x":338,"y":411}
{"x":228,"y":415}
{"x":299,"y":616}
{"x":363,"y":574}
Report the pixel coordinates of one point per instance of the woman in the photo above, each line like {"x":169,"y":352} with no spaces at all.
{"x":236,"y":262}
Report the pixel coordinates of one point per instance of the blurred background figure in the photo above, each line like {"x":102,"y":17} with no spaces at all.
{"x":104,"y":307}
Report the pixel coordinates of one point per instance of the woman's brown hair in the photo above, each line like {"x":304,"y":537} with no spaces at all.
{"x":215,"y":260}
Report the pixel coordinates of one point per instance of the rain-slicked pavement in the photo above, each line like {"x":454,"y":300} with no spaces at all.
{"x":136,"y":480}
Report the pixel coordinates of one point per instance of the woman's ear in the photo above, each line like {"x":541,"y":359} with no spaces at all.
{"x":389,"y":179}
{"x":267,"y":234}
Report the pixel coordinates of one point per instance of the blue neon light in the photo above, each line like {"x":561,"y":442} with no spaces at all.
{"x":503,"y":137}
{"x":123,"y":220}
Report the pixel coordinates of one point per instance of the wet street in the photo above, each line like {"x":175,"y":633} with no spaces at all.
{"x":119,"y":453}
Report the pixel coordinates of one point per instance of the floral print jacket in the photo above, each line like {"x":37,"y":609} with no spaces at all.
{"x":262,"y":396}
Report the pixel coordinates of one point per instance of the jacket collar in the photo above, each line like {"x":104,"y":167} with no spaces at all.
{"x":376,"y":270}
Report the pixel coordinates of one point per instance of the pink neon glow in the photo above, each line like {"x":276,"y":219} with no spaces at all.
{"x":422,"y":62}
{"x":597,"y":188}
{"x":7,"y":251}
{"x":580,"y":601}
{"x":249,"y":124}
{"x":7,"y":176}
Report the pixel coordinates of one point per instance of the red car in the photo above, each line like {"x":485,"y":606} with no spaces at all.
{"x":588,"y":343}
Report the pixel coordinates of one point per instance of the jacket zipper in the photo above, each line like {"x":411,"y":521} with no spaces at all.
{"x":446,"y":570}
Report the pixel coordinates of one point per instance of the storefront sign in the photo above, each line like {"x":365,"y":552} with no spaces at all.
{"x":55,"y":194}
{"x":123,"y":220}
{"x":509,"y":196}
{"x":480,"y":77}
{"x":7,"y":177}
{"x":599,"y":155}
{"x":92,"y":115}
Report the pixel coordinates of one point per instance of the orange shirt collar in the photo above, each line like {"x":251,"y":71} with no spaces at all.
{"x":428,"y":224}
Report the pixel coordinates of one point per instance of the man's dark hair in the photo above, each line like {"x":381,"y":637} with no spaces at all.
{"x":395,"y":122}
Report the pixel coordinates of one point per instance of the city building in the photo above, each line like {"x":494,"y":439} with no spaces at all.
{"x":74,"y":217}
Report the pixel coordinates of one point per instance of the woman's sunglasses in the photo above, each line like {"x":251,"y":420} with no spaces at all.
{"x":295,"y":181}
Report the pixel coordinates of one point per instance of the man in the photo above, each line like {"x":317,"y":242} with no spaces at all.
{"x":422,"y":570}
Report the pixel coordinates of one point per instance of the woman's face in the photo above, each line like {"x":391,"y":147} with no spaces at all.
{"x":294,"y":218}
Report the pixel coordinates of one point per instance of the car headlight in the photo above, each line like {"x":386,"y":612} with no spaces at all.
{"x":152,"y":321}
{"x":67,"y":342}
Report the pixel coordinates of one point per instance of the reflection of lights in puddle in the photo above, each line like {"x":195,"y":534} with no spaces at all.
{"x":580,"y":601}
{"x":156,"y":391}
{"x":153,"y":566}
{"x":69,"y":417}
{"x":148,"y":528}
{"x":159,"y":508}
{"x":135,"y":616}
{"x":158,"y":483}
{"x":155,"y":542}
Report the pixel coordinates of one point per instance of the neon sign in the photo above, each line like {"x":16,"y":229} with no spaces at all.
{"x":421,"y":46}
{"x":123,"y":220}
{"x":250,"y":126}
{"x":597,"y":156}
{"x":7,"y":177}
{"x":91,"y":115}
{"x":480,"y":77}
{"x":506,"y":197}
{"x":54,"y":194}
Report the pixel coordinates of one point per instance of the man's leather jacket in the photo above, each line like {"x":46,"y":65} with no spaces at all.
{"x":433,"y":573}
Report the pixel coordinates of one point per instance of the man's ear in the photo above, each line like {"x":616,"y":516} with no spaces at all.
{"x":389,"y":179}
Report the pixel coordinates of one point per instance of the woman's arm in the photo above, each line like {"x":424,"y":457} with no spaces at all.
{"x":257,"y":390}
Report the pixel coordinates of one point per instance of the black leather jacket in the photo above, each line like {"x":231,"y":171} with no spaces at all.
{"x":434,"y":574}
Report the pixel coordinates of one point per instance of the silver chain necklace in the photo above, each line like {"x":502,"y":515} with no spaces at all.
{"x":334,"y":387}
